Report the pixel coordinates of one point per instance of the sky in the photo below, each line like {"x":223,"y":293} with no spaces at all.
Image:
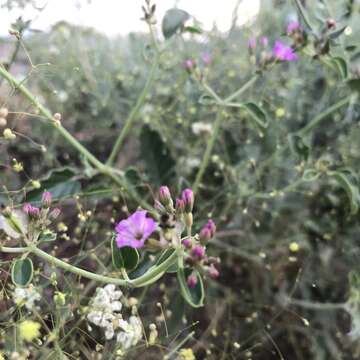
{"x":114,"y":17}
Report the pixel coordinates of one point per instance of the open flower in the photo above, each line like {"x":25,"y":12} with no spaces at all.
{"x":134,"y":230}
{"x":284,"y":52}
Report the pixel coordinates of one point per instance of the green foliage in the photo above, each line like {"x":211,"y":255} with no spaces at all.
{"x":22,"y":272}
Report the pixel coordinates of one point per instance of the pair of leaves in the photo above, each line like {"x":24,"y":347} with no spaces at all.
{"x":22,"y":272}
{"x":257,"y":114}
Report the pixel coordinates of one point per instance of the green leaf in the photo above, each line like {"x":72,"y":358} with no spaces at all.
{"x":59,"y":182}
{"x":194,"y":297}
{"x":347,"y":181}
{"x":354,"y":85}
{"x":15,"y":225}
{"x":341,"y":66}
{"x":159,"y":163}
{"x":206,"y":100}
{"x":257,"y":114}
{"x":47,"y":235}
{"x":125,"y":257}
{"x":163,"y":256}
{"x":22,"y":272}
{"x":192,"y":30}
{"x":335,"y":34}
{"x":173,"y":21}
{"x":298,"y":146}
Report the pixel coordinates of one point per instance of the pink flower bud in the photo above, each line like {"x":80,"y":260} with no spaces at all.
{"x":188,"y":197}
{"x":180,"y":205}
{"x":46,"y":199}
{"x":205,"y":235}
{"x":264,"y":41}
{"x":198,"y":252}
{"x":211,"y":226}
{"x":192,"y":280}
{"x":189,"y":64}
{"x":32,"y":211}
{"x":54,"y":213}
{"x":252,"y":44}
{"x":187,"y":243}
{"x":292,"y":27}
{"x":164,"y":195}
{"x":213,"y":272}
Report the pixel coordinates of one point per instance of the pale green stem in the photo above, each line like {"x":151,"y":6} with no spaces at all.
{"x":145,"y":279}
{"x":208,"y":151}
{"x":46,"y":113}
{"x":246,"y":86}
{"x":317,"y":119}
{"x":135,"y":110}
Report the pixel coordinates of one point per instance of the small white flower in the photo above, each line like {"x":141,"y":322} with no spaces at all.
{"x":201,"y":128}
{"x":26,"y":296}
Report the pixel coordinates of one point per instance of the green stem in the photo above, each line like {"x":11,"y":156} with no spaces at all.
{"x":304,"y":16}
{"x":317,"y":119}
{"x":208,"y":151}
{"x":247,"y":85}
{"x":145,"y":279}
{"x":46,"y":113}
{"x":135,"y":110}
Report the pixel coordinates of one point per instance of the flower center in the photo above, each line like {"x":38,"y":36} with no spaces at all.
{"x":138,"y":235}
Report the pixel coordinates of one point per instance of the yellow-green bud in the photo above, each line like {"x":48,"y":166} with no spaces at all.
{"x":36,"y":184}
{"x":8,"y":134}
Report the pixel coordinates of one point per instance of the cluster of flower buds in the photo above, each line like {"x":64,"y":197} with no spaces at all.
{"x":194,"y":246}
{"x":198,"y":68}
{"x":43,"y":213}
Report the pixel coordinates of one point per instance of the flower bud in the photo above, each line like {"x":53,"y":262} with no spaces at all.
{"x":187,"y":243}
{"x":54,"y":213}
{"x":46,"y":199}
{"x":205,"y":235}
{"x":264,"y":41}
{"x":8,"y":134}
{"x":188,"y":198}
{"x":198,"y":252}
{"x":192,"y":280}
{"x":252,"y":44}
{"x":32,"y":211}
{"x":36,"y":184}
{"x":180,"y":206}
{"x":213,"y":272}
{"x":189,"y":64}
{"x":331,"y":24}
{"x":165,"y":196}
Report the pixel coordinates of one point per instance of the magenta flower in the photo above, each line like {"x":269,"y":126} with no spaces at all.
{"x":198,"y":252}
{"x":293,"y":26}
{"x":264,"y":41}
{"x":32,"y":211}
{"x":188,"y":198}
{"x":284,"y":52}
{"x":252,"y":43}
{"x":134,"y":230}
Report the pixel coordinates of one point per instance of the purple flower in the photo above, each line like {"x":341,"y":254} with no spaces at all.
{"x":284,"y":52}
{"x":189,"y":64}
{"x":264,"y":41}
{"x":187,"y":243}
{"x":293,"y":26}
{"x":134,"y":230}
{"x":206,"y":58}
{"x":32,"y":211}
{"x":188,"y":198}
{"x":252,"y":43}
{"x":46,"y":199}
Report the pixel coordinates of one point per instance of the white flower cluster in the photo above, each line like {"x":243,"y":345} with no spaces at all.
{"x":104,"y":312}
{"x":26,"y":296}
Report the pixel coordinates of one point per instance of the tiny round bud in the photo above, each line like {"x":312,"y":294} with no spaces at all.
{"x":187,"y":243}
{"x":36,"y":184}
{"x":331,"y":24}
{"x":57,"y":116}
{"x":8,"y":134}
